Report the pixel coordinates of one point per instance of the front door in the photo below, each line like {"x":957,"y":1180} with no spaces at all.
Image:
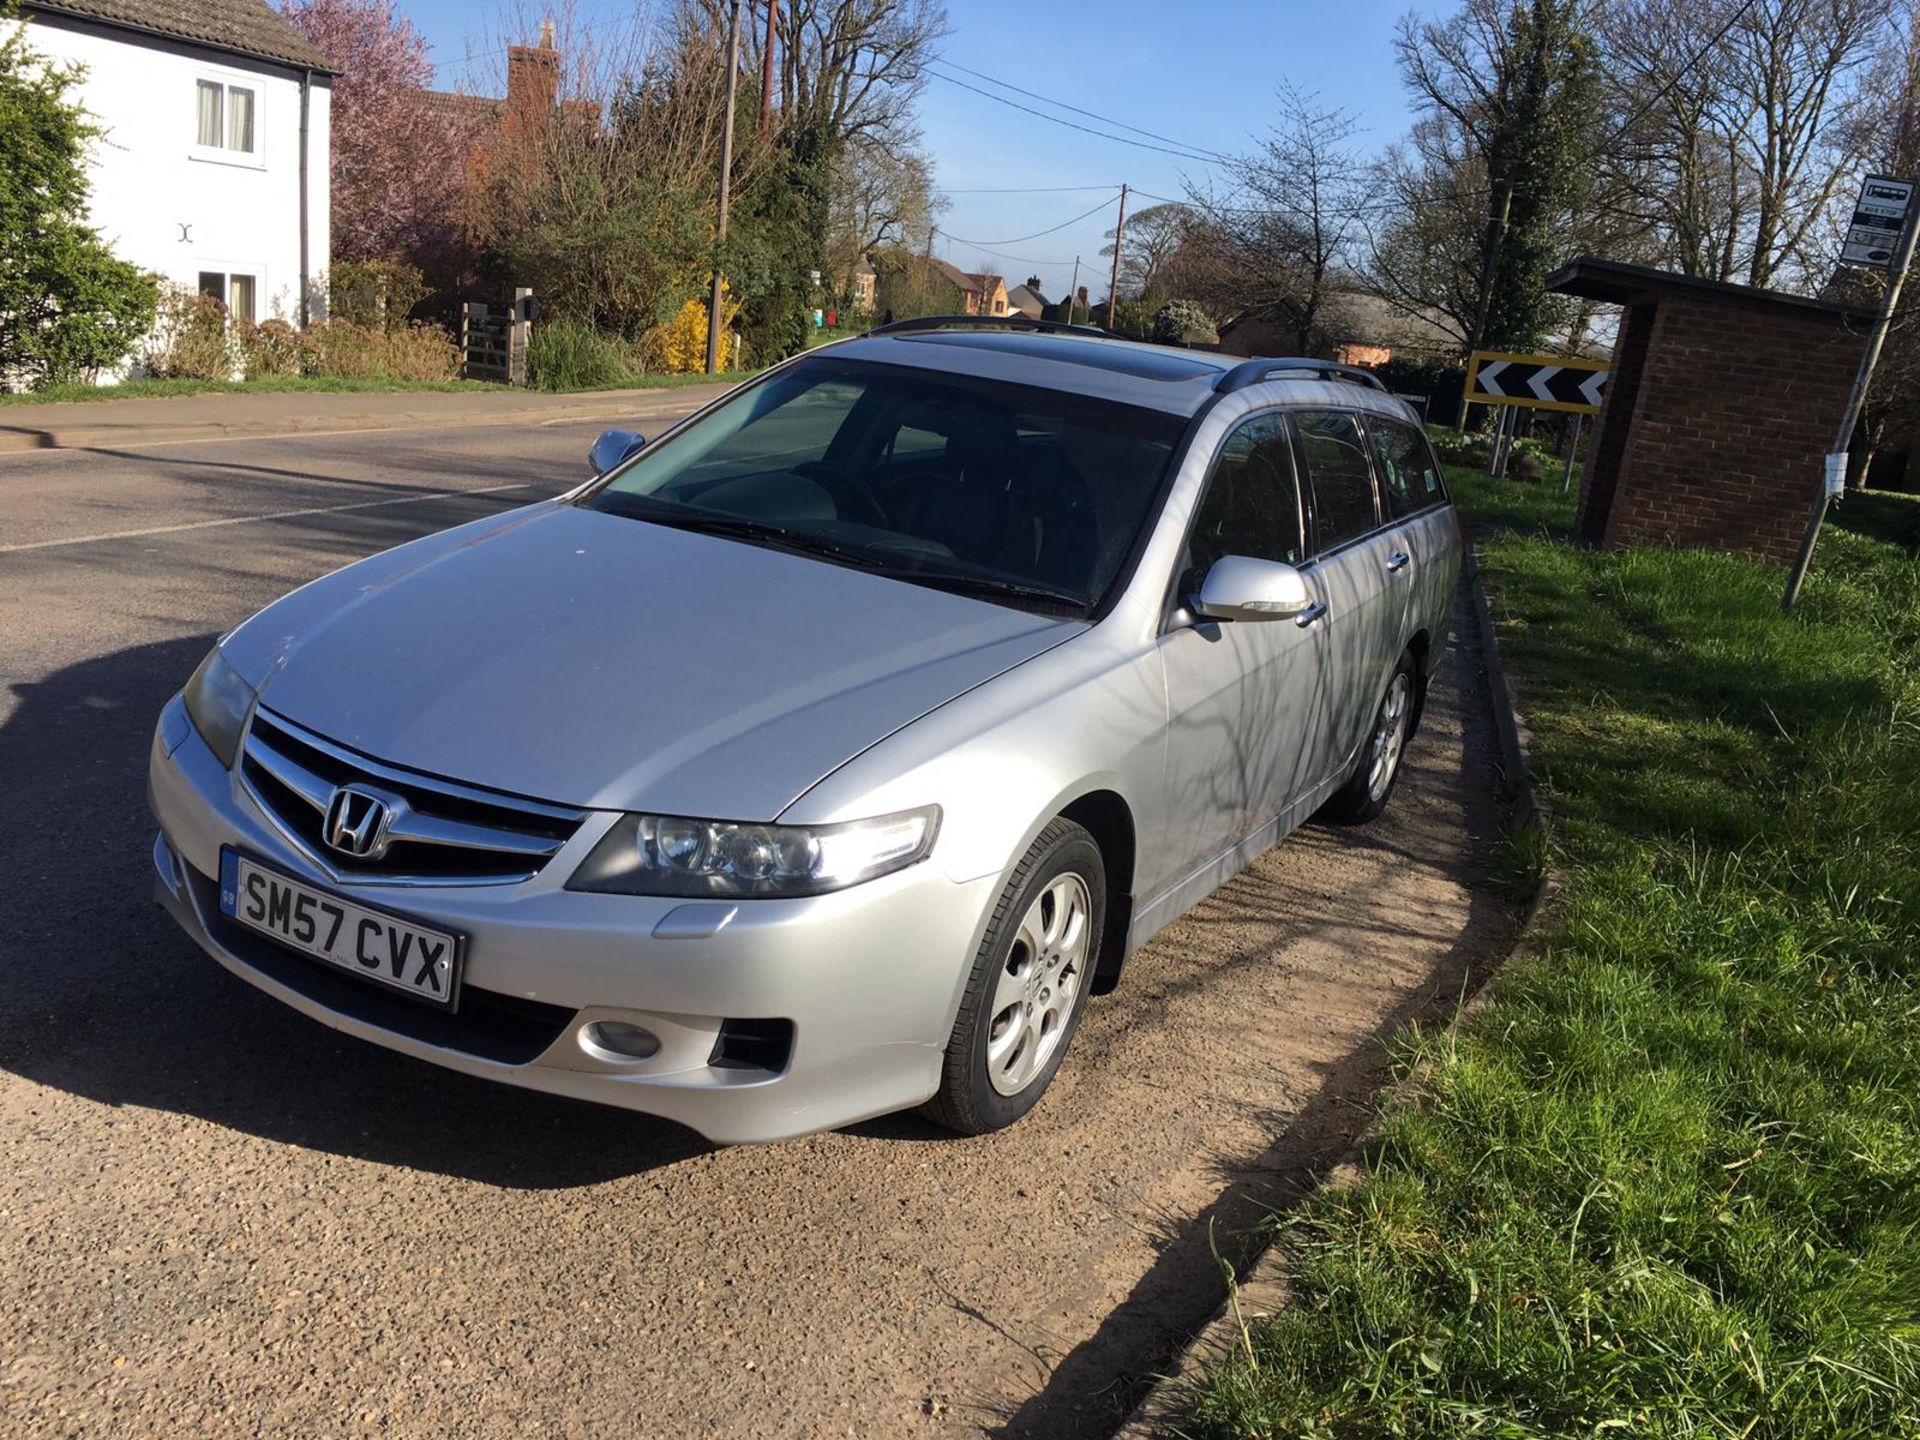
{"x":1247,"y":719}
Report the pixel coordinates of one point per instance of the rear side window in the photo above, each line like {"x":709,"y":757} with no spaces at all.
{"x":1340,"y":475}
{"x":1409,"y":479}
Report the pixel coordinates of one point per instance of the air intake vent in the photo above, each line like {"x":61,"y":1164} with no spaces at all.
{"x":437,"y":832}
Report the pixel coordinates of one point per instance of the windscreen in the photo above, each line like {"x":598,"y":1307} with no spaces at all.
{"x":1009,"y":492}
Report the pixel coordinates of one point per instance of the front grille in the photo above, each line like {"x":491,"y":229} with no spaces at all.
{"x":439,"y":832}
{"x":506,"y":1029}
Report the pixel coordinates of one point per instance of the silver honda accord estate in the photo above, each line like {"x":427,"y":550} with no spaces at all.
{"x":821,"y":757}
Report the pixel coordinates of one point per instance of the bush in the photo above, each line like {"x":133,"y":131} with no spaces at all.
{"x":190,"y":339}
{"x":421,"y":352}
{"x":1441,"y":381}
{"x":566,"y":355}
{"x":375,"y":294}
{"x":1183,"y":322}
{"x":273,"y":350}
{"x":679,"y":347}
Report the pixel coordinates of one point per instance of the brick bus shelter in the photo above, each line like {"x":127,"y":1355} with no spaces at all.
{"x":1720,"y":406}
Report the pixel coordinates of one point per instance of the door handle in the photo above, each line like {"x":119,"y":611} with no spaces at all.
{"x":1398,"y":561}
{"x":1312,"y":613}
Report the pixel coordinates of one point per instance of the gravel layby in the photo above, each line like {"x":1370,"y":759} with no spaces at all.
{"x":220,"y":1219}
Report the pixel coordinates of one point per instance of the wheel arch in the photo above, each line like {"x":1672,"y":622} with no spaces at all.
{"x":1106,"y":816}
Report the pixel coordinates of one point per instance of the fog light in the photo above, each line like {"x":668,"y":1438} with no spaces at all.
{"x":620,"y":1041}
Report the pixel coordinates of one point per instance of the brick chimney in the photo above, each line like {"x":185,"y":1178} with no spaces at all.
{"x":533,"y":82}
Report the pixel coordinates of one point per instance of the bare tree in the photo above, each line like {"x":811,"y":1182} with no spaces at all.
{"x":881,"y":191}
{"x":1154,"y":238}
{"x":1278,"y":236}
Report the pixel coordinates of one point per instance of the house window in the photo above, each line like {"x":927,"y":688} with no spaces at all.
{"x":236,"y":292}
{"x":225,"y":117}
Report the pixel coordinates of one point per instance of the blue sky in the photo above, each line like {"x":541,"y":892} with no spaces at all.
{"x":1201,"y":72}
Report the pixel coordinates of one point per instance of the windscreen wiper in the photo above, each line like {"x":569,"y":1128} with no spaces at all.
{"x":993,"y":587}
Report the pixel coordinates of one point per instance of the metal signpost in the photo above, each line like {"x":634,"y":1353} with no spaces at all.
{"x":1534,"y":382}
{"x":1882,"y":235}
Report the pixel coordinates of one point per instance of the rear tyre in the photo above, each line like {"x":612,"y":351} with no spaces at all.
{"x":1029,"y":984}
{"x":1377,"y":769}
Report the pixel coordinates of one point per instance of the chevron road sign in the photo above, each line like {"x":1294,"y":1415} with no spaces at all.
{"x":1538,"y":382}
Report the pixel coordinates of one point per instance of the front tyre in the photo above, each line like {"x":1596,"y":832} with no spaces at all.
{"x":1029,"y":984}
{"x":1377,"y":770}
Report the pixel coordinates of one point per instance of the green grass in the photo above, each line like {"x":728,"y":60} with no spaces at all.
{"x":1666,"y":1181}
{"x":1880,"y":515}
{"x":148,"y":389}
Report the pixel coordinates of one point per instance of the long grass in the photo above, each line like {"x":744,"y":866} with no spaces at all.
{"x":1666,"y":1182}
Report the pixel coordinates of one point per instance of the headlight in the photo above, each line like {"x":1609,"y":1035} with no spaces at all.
{"x":692,"y":859}
{"x":217,"y":702}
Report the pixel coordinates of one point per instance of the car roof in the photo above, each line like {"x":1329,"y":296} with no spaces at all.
{"x":1154,"y":377}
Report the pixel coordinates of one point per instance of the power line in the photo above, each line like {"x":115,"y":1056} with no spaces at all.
{"x":1090,"y":114}
{"x":1037,"y":190}
{"x":1022,"y":239}
{"x":1071,"y":125}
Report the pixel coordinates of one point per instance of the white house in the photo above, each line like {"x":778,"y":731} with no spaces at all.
{"x":213,"y":166}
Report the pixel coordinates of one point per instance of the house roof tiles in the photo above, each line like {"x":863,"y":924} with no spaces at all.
{"x":244,"y":27}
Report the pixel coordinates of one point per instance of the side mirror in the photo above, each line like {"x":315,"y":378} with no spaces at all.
{"x":612,"y":447}
{"x":1241,"y":588}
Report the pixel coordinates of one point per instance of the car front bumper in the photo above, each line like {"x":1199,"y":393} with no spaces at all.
{"x":868,"y":979}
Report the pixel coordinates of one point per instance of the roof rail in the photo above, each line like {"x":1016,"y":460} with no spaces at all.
{"x":1252,"y":372}
{"x":983,"y":322}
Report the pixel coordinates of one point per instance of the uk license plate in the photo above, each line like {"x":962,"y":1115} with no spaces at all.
{"x":378,"y":946}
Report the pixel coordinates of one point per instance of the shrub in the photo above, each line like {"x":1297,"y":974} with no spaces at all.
{"x":375,"y":294}
{"x":679,"y":347}
{"x":1183,"y":322}
{"x":272,"y":350}
{"x":339,"y":349}
{"x":421,"y":352}
{"x":566,"y":355}
{"x":346,"y":351}
{"x":190,"y":339}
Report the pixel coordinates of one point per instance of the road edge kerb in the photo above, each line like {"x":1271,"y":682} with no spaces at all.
{"x":611,"y":404}
{"x":1262,"y":1291}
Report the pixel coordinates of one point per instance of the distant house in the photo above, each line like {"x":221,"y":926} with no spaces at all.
{"x":866,"y":286}
{"x":1027,"y":299}
{"x":979,"y":294}
{"x":524,"y":117}
{"x":1353,"y":328}
{"x":212,"y":165}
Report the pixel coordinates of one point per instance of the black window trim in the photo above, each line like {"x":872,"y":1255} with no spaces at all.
{"x":1368,"y":422}
{"x":1380,"y":522}
{"x":1174,"y":604}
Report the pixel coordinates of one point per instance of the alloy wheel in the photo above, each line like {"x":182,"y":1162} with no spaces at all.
{"x":1389,"y":736}
{"x":1034,"y":996}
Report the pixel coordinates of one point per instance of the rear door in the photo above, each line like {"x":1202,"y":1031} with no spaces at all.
{"x":1358,"y":568}
{"x":1423,"y":527}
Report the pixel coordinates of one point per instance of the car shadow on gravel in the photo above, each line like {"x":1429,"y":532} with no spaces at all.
{"x":106,"y":999}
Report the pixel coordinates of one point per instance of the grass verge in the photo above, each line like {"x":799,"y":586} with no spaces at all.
{"x":1666,"y":1182}
{"x":148,"y":389}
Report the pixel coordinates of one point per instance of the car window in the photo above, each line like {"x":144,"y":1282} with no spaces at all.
{"x":1409,"y":478}
{"x":1252,"y":503}
{"x":955,"y":482}
{"x":1340,"y":475}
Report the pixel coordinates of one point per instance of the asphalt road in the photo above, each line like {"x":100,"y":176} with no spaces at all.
{"x":218,"y":1218}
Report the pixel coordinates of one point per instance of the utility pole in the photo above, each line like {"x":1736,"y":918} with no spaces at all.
{"x":766,"y":70}
{"x":726,"y":185}
{"x":1119,"y":239}
{"x":1499,"y":233}
{"x":1073,"y":290}
{"x":1835,"y":479}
